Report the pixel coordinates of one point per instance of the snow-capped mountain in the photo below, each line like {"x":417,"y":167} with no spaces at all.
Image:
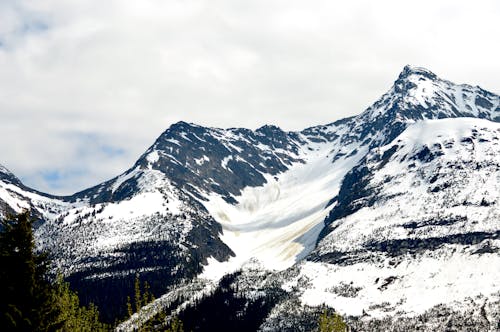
{"x":385,"y":216}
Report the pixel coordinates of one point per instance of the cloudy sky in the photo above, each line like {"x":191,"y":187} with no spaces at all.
{"x":87,"y":85}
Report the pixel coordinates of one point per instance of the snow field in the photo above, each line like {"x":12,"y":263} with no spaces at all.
{"x":279,"y":222}
{"x":447,"y":276}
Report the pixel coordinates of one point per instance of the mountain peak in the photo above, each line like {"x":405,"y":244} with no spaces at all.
{"x":4,"y":170}
{"x":8,"y":176}
{"x":182,"y":125}
{"x":411,"y":77}
{"x":268,"y":129}
{"x":409,"y":70}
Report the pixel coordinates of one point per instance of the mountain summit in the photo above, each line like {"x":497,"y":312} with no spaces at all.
{"x":372,"y":215}
{"x":409,"y":70}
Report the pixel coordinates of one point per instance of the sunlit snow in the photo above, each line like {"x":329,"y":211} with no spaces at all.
{"x":279,"y":223}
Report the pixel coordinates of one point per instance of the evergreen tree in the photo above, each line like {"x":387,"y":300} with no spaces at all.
{"x":141,"y":297}
{"x":28,"y":301}
{"x":176,"y":325}
{"x":137,"y":293}
{"x":130,"y":312}
{"x":75,"y":317}
{"x":148,"y":297}
{"x":331,"y":323}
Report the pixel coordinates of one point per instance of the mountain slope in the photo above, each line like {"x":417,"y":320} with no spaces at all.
{"x":157,"y":232}
{"x":15,"y":197}
{"x":419,"y":229}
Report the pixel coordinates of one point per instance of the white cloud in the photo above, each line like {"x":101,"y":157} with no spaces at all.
{"x":122,"y":71}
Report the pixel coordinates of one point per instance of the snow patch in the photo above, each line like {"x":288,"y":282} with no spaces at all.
{"x":225,"y":161}
{"x":153,"y":157}
{"x":124,"y":177}
{"x":202,"y":160}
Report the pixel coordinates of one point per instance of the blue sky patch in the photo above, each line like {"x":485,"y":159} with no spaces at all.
{"x":112,"y":151}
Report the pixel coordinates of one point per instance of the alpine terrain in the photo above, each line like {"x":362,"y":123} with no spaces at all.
{"x":391,"y":218}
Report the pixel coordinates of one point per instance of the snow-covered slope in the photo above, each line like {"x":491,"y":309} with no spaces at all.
{"x":278,"y":223}
{"x":156,"y":231}
{"x":423,"y":227}
{"x":16,"y":197}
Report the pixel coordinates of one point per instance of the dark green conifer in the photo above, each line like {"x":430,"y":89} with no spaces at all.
{"x":137,"y":293}
{"x":331,"y":323}
{"x":29,"y":301}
